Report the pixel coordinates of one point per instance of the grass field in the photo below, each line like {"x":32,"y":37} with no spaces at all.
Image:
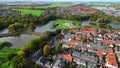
{"x":54,"y":5}
{"x":28,"y":11}
{"x":117,"y":7}
{"x":3,"y":56}
{"x":65,"y":24}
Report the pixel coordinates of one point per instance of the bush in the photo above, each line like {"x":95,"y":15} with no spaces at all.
{"x":10,"y":56}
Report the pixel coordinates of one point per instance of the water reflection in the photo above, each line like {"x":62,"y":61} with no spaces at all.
{"x":18,"y":40}
{"x":44,"y":28}
{"x":115,"y":25}
{"x":4,"y":31}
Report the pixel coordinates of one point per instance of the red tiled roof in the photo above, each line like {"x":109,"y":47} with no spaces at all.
{"x":67,"y":57}
{"x":86,"y":30}
{"x":75,"y":30}
{"x":117,"y":43}
{"x":111,"y":59}
{"x":78,"y":37}
{"x":74,"y":43}
{"x":105,"y":40}
{"x":99,"y":54}
{"x":89,"y":36}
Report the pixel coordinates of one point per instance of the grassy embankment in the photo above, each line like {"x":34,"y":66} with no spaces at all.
{"x":5,"y":50}
{"x":66,"y":24}
{"x":28,"y":11}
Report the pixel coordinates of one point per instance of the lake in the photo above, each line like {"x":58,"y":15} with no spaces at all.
{"x":114,"y":25}
{"x":18,"y":42}
{"x":21,"y":40}
{"x":86,"y":23}
{"x":44,"y":28}
{"x":4,"y":31}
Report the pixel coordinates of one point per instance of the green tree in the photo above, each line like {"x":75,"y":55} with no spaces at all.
{"x":31,"y":27}
{"x":84,"y":39}
{"x":58,"y":47}
{"x":16,"y":27}
{"x":108,"y":26}
{"x":20,"y":62}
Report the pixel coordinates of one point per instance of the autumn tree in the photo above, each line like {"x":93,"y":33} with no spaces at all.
{"x":47,"y":50}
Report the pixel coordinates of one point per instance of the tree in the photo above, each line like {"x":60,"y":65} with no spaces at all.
{"x":36,"y":66}
{"x":108,"y":26}
{"x":31,"y":27}
{"x":70,"y":31}
{"x":58,"y":47}
{"x":20,"y":62}
{"x":16,"y":27}
{"x":47,"y":50}
{"x":84,"y":39}
{"x":21,"y":53}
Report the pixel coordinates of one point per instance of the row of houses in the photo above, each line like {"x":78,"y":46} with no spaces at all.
{"x":87,"y":47}
{"x":96,"y":42}
{"x":4,"y":13}
{"x":75,"y":10}
{"x":108,"y":10}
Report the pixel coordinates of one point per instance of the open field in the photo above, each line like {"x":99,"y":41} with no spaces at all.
{"x":117,"y":7}
{"x":54,"y":5}
{"x":61,"y":24}
{"x":4,"y":52}
{"x":28,"y":11}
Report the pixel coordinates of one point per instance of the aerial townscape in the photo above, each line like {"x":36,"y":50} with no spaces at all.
{"x":59,"y":34}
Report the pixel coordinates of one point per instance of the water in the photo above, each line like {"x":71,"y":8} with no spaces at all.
{"x":86,"y":23}
{"x":44,"y":28}
{"x":4,"y":31}
{"x":114,"y":25}
{"x":18,"y":42}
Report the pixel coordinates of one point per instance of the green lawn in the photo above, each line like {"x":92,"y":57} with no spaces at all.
{"x":54,"y":5}
{"x":3,"y":55}
{"x":28,"y":11}
{"x":66,"y":24}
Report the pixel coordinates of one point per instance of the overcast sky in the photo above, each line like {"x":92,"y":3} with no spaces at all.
{"x":69,"y":0}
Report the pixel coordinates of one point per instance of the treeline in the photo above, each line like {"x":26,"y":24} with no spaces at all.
{"x":25,"y":20}
{"x":101,"y":19}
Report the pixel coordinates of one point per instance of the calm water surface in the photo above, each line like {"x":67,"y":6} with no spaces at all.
{"x":44,"y":28}
{"x":18,"y":42}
